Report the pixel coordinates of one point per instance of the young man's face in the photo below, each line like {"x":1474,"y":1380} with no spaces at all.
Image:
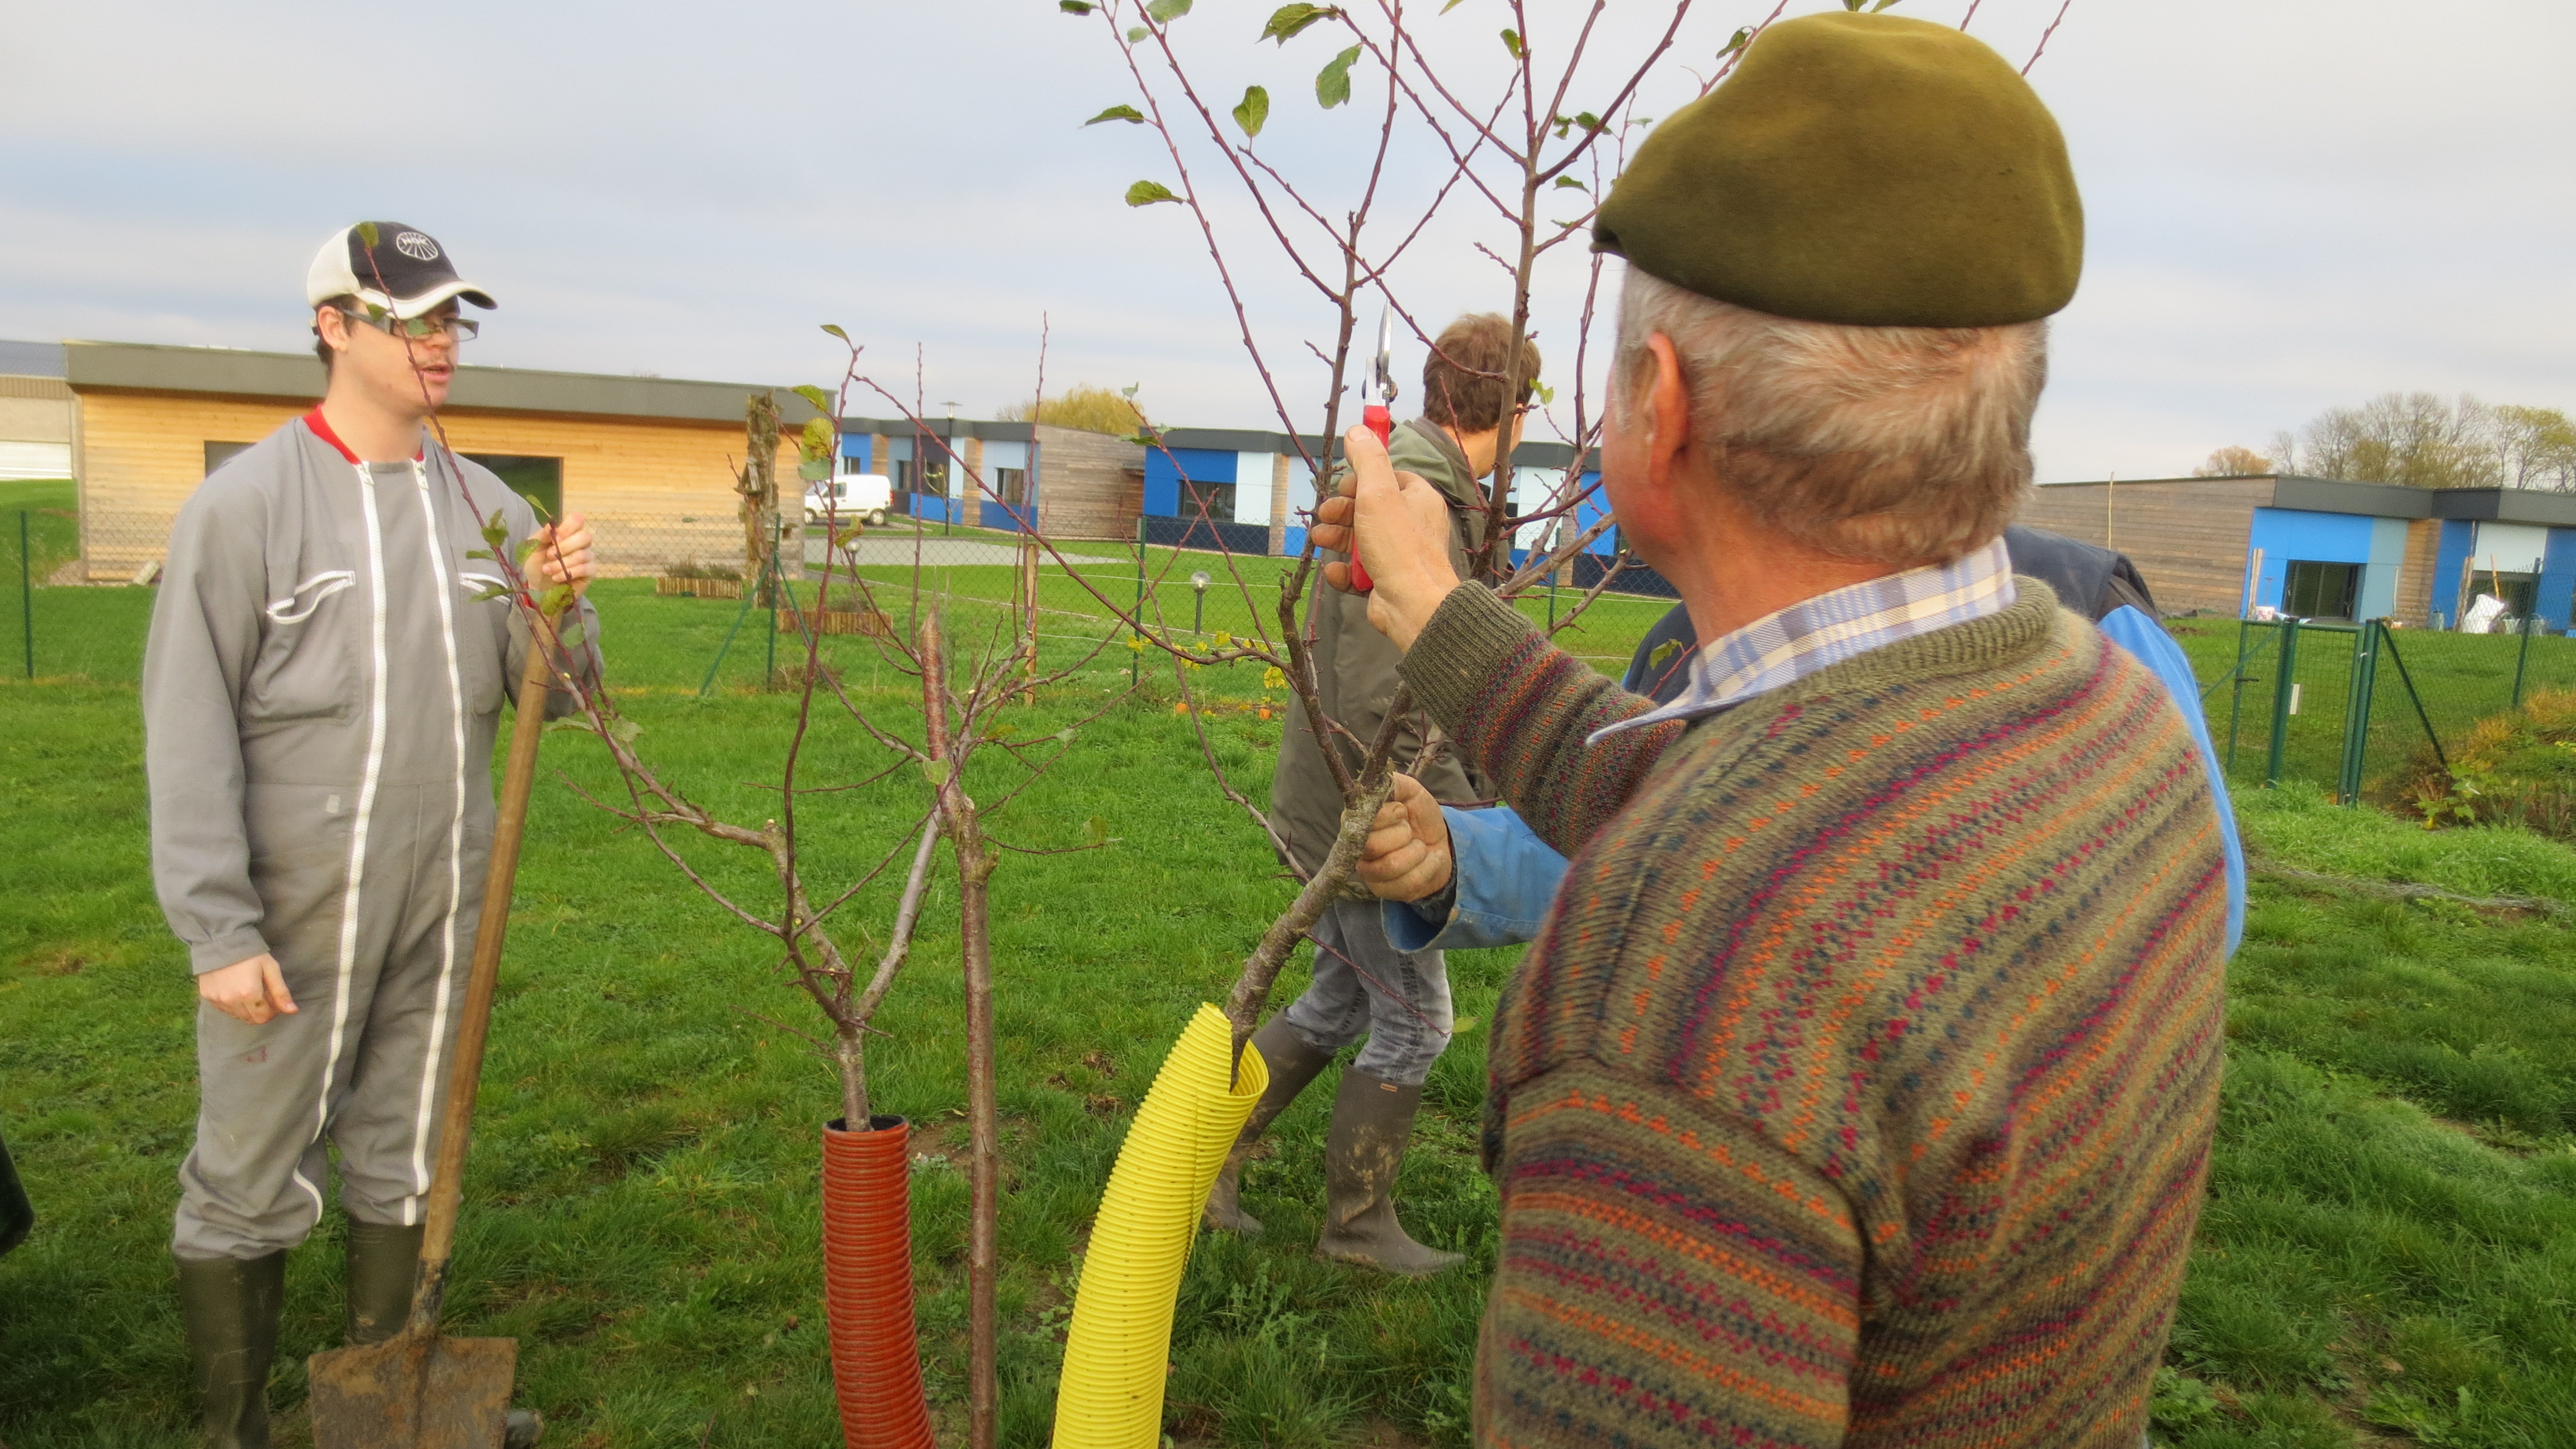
{"x":403,"y":374}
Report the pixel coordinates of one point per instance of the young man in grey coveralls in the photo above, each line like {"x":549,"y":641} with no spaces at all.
{"x":1363,"y":986}
{"x":321,"y":691}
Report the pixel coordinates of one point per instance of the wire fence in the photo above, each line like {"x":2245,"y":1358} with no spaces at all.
{"x":2366,"y":711}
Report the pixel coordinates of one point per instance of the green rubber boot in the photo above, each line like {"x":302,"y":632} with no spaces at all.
{"x":1293,"y":1064}
{"x":384,"y":1267}
{"x":1372,"y":1123}
{"x":229,"y":1308}
{"x":384,"y":1264}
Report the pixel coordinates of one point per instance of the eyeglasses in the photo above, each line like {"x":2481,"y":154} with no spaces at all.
{"x":464,"y":328}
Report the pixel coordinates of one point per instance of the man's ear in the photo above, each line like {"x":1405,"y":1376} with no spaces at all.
{"x":1668,"y":419}
{"x":332,"y":326}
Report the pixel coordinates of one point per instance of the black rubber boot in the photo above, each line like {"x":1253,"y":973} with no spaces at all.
{"x":384,"y":1264}
{"x":1372,"y":1122}
{"x":229,"y":1307}
{"x":1293,"y":1064}
{"x":384,"y":1267}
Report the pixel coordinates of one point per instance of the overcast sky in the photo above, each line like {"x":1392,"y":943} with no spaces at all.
{"x":2290,"y":205}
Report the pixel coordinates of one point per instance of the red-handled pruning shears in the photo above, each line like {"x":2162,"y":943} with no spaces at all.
{"x":1377,"y":390}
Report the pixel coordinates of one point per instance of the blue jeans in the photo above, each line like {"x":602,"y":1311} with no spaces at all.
{"x":1364,"y":986}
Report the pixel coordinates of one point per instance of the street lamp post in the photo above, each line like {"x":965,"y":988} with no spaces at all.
{"x":1198,"y":606}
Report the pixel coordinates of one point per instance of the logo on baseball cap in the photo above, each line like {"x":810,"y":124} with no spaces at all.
{"x":403,"y":270}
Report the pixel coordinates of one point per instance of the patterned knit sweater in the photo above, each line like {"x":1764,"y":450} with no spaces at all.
{"x":1859,"y":1090}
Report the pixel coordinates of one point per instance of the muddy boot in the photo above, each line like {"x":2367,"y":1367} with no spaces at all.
{"x":1372,"y":1122}
{"x":229,"y":1308}
{"x":1292,"y":1065}
{"x":384,"y":1263}
{"x":384,"y":1266}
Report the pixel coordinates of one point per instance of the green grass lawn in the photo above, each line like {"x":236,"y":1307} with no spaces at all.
{"x":2389,"y":1248}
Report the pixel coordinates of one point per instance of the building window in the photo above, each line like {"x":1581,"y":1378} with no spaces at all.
{"x":1218,"y":498}
{"x":1012,"y":484}
{"x":538,"y":480}
{"x":2320,"y":590}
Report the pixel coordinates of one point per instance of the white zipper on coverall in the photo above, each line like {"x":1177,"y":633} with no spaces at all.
{"x":455,"y":852}
{"x":352,"y":897}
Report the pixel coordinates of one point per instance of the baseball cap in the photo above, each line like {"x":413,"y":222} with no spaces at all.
{"x":406,"y":271}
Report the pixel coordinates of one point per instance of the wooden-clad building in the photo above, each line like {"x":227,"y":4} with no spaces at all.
{"x":650,"y":460}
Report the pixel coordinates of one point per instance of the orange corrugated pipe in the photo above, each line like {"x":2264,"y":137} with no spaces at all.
{"x":867,"y":1285}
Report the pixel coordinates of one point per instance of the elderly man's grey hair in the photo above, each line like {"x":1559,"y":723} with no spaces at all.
{"x":1899,"y":445}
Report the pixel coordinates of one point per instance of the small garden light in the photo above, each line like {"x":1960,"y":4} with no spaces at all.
{"x":1198,"y":609}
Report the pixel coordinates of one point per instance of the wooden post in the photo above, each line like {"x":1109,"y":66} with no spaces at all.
{"x":758,"y":485}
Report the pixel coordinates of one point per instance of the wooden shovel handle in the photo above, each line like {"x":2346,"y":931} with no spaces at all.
{"x":465,"y":1071}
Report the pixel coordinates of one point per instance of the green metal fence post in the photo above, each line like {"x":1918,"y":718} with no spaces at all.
{"x":2236,"y":706}
{"x":770,"y":576}
{"x":2521,"y":654}
{"x":1136,"y":634}
{"x":2356,"y":714}
{"x":26,"y":595}
{"x":2284,"y":688}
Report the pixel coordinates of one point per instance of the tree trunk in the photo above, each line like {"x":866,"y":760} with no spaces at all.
{"x":758,"y":485}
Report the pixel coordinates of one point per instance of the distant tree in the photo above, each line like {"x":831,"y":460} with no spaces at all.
{"x":2535,"y":447}
{"x":2412,"y":438}
{"x":2233,"y":461}
{"x":1091,"y":408}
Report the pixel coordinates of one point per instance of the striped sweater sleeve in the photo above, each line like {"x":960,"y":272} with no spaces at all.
{"x":1522,"y":708}
{"x":1667,"y":1277}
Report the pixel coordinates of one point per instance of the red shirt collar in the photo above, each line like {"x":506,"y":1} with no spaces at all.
{"x":321,"y":427}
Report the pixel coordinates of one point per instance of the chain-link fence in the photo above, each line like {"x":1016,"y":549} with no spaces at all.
{"x":2367,"y":711}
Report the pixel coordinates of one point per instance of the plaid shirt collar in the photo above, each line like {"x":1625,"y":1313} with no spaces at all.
{"x":1782,"y":648}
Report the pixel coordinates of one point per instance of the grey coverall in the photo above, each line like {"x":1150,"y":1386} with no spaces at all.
{"x":321,"y":691}
{"x":1363,"y":985}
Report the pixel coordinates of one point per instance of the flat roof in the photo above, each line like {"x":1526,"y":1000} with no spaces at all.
{"x":31,"y":359}
{"x":2379,"y":500}
{"x":146,"y":367}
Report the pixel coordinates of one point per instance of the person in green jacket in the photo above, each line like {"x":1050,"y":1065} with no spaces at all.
{"x":1362,"y":986}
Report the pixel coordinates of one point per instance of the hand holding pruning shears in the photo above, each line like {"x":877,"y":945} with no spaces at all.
{"x":1377,"y":392}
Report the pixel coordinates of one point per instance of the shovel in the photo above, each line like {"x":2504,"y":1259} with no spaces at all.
{"x":417,"y":1389}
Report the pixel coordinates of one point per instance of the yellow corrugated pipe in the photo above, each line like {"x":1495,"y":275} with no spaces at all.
{"x":1120,"y":1341}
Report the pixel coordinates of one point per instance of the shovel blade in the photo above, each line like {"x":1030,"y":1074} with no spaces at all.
{"x":413,"y":1393}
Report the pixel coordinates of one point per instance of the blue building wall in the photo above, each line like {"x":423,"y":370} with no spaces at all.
{"x":1165,"y":468}
{"x":2295,"y":535}
{"x":2557,"y":593}
{"x":861,"y":446}
{"x":2458,"y":536}
{"x":2378,"y":595}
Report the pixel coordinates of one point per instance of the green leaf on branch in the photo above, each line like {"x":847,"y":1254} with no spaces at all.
{"x":484,"y":593}
{"x":572,"y":633}
{"x":572,"y":722}
{"x":1074,"y":7}
{"x":496,"y":532}
{"x":480,"y":553}
{"x":557,"y":599}
{"x":1452,"y":5}
{"x":1288,"y":21}
{"x":1064,"y":736}
{"x":1129,"y":114}
{"x":1883,"y":4}
{"x":821,"y":400}
{"x":1661,"y":652}
{"x":1546,"y":395}
{"x":836,"y":331}
{"x":936,"y":772}
{"x":1146,"y":193}
{"x":367,"y":234}
{"x":1512,"y":43}
{"x":1740,"y":39}
{"x":816,"y":441}
{"x":1587,"y":120}
{"x":1253,"y":111}
{"x":1571,"y":184}
{"x":1333,"y":82}
{"x":1165,"y":11}
{"x":626,"y":730}
{"x":1136,"y":33}
{"x":1095,"y":831}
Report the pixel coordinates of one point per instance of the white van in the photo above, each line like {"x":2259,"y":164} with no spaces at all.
{"x":849,"y":498}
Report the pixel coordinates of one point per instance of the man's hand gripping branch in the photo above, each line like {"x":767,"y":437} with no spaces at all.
{"x":1399,"y":525}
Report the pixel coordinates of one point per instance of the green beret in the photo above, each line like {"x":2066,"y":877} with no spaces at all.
{"x":1861,"y":169}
